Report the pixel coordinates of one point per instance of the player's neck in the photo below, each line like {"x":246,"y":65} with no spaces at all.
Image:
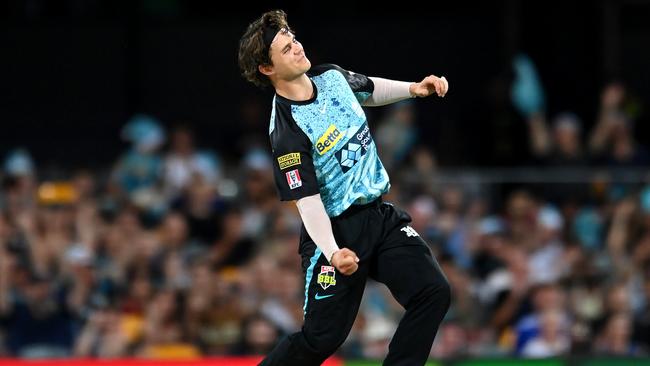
{"x":298,"y":89}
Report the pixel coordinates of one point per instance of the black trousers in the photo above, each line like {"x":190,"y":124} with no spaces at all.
{"x":390,"y":252}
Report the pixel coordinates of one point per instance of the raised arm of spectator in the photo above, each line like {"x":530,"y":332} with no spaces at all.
{"x":5,"y":264}
{"x":88,"y":336}
{"x":528,"y":98}
{"x":78,"y":295}
{"x":599,"y":136}
{"x":41,"y":255}
{"x":508,"y":308}
{"x":618,"y":234}
{"x":610,"y":102}
{"x":86,"y":223}
{"x":540,"y":137}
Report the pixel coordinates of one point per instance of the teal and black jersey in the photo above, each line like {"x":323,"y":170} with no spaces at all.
{"x":323,"y":145}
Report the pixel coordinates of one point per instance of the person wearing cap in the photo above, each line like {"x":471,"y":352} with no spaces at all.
{"x":326,"y":161}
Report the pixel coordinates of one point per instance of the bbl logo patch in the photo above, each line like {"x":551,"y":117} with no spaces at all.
{"x":288,"y":160}
{"x":326,"y":277}
{"x":329,"y":139}
{"x":356,"y":147}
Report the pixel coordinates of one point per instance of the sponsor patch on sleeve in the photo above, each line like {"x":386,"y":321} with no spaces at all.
{"x":289,"y":160}
{"x":293,"y":178}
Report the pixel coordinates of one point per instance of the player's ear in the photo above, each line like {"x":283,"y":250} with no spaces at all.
{"x":266,"y":69}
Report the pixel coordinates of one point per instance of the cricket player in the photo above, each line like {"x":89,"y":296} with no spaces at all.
{"x":326,"y":161}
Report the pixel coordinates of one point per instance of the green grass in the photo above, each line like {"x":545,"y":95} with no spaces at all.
{"x":615,"y":362}
{"x":511,"y":363}
{"x":378,"y":363}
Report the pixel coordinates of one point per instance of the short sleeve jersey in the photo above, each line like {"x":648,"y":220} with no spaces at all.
{"x":323,"y":145}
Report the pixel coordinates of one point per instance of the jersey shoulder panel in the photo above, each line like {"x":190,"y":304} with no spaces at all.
{"x":361,"y":85}
{"x":319,"y":69}
{"x":285,"y":131}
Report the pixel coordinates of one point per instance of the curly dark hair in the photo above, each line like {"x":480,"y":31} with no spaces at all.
{"x":254,"y":50}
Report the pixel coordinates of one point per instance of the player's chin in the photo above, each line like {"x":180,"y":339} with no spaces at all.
{"x":306,"y":63}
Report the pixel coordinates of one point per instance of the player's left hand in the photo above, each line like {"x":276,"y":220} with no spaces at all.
{"x":429,"y":85}
{"x":345,"y":261}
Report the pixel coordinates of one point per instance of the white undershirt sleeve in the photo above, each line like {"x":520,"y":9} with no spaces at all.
{"x":387,"y":92}
{"x":318,"y":224}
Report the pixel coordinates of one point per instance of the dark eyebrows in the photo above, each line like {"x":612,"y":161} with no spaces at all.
{"x":288,"y":45}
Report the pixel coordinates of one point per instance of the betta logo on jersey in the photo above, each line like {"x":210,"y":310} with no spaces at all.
{"x":326,"y":277}
{"x":356,"y":147}
{"x":329,"y":139}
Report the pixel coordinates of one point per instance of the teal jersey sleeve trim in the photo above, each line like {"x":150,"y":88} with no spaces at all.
{"x":362,"y":96}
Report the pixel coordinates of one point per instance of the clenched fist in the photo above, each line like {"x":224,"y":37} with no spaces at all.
{"x":429,"y":85}
{"x":345,"y":261}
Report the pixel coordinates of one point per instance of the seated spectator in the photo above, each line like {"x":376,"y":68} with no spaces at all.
{"x":258,"y":337}
{"x":616,"y":338}
{"x":552,"y":340}
{"x":184,"y":162}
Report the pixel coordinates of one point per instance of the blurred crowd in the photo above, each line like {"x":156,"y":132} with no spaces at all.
{"x":175,"y":253}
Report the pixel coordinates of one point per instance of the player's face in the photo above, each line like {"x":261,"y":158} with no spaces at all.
{"x":288,"y":56}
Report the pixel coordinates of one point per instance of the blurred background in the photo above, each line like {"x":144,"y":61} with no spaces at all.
{"x":138,"y":214}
